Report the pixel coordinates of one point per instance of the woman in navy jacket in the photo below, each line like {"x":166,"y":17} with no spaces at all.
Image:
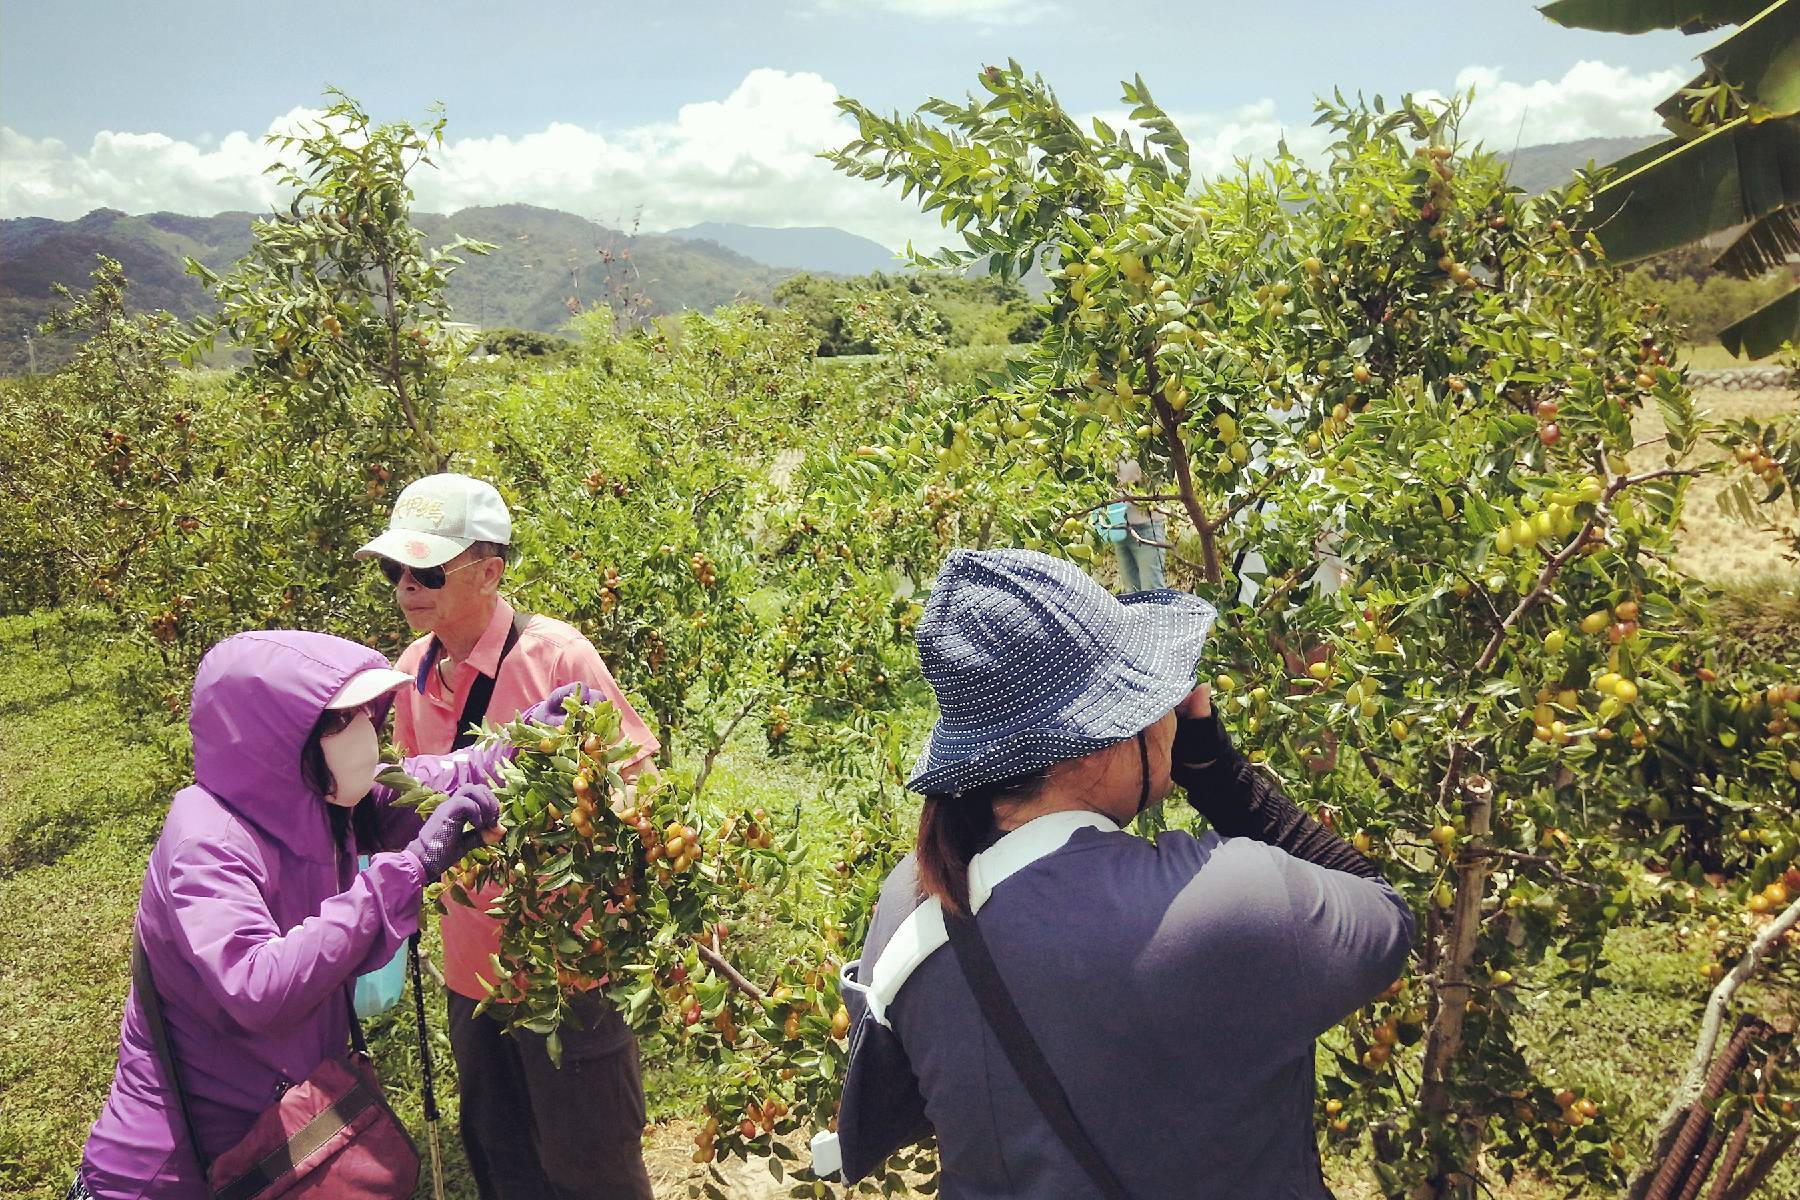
{"x":1173,"y":987}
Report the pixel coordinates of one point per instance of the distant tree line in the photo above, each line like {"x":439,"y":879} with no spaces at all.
{"x":1699,"y":299}
{"x":963,"y":311}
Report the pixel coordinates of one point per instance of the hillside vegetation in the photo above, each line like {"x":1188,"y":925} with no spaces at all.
{"x":545,"y":266}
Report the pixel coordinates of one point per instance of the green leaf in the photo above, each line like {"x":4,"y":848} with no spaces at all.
{"x":1641,"y":16}
{"x":1737,"y":173}
{"x":1766,"y":330}
{"x":1762,"y":59}
{"x":1678,"y":416}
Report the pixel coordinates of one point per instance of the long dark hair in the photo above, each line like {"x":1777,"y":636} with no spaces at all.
{"x":359,"y":821}
{"x":954,"y":828}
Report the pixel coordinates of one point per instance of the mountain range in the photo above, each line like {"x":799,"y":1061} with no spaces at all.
{"x":545,"y":264}
{"x":820,"y":249}
{"x":1540,"y":168}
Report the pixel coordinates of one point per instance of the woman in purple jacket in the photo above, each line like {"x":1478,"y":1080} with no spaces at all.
{"x":254,"y":918}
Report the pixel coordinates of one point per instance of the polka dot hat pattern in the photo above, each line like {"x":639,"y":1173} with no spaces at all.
{"x":1034,"y":663}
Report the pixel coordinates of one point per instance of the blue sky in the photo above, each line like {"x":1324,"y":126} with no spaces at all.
{"x":678,"y":112}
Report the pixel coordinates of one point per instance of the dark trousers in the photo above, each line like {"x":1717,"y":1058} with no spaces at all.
{"x":534,"y":1131}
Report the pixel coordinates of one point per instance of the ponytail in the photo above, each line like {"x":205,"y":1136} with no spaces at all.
{"x":955,"y":827}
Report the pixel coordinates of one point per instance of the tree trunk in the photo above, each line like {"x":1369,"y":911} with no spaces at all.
{"x":1454,"y":991}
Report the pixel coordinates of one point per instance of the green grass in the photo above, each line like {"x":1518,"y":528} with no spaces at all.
{"x":83,"y":785}
{"x":1710,"y":356}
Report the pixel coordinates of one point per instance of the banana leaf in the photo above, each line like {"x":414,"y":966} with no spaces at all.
{"x":1730,"y":176}
{"x":1764,"y":246}
{"x":1641,"y":16}
{"x":1764,"y":331}
{"x":1649,"y":154}
{"x":1762,"y":59}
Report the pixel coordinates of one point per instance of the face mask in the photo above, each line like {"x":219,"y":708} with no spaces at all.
{"x":351,"y":756}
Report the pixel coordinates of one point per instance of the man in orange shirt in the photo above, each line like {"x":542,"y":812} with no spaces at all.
{"x":532,"y":1131}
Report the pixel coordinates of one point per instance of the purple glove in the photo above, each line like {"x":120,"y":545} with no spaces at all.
{"x":483,"y":796}
{"x":443,"y":841}
{"x":549,"y":710}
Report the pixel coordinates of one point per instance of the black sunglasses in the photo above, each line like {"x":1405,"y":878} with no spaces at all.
{"x":429,"y":578}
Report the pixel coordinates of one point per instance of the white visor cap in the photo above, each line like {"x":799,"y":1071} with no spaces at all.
{"x":438,"y":517}
{"x":365,"y":686}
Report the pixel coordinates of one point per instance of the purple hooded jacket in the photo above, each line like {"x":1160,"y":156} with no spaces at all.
{"x":254,"y":922}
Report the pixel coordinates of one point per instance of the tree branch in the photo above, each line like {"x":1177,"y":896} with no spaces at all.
{"x":397,"y":377}
{"x":1376,"y":768}
{"x":709,"y":954}
{"x":1549,"y":866}
{"x":1082,"y":512}
{"x":1184,"y":476}
{"x":1243,"y":502}
{"x":718,"y":744}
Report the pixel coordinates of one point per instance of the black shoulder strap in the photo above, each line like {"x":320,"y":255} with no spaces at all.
{"x":475,"y":704}
{"x":356,"y":1034}
{"x":1022,"y":1051}
{"x":159,"y":1034}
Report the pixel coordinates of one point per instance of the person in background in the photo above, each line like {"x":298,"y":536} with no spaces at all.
{"x":1140,"y":552}
{"x":254,"y":919}
{"x":1172,"y":989}
{"x":533,"y":1131}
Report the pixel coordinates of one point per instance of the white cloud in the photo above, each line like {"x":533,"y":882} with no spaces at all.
{"x":1592,"y":99}
{"x":751,"y":157}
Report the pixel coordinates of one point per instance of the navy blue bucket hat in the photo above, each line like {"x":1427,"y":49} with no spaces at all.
{"x":1034,"y":663}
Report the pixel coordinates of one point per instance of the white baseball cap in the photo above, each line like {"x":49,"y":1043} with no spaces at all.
{"x":438,"y":517}
{"x":365,"y":686}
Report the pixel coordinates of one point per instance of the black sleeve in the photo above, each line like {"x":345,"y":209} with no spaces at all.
{"x":1240,"y":799}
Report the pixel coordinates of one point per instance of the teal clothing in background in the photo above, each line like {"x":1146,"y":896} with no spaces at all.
{"x":1141,"y":564}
